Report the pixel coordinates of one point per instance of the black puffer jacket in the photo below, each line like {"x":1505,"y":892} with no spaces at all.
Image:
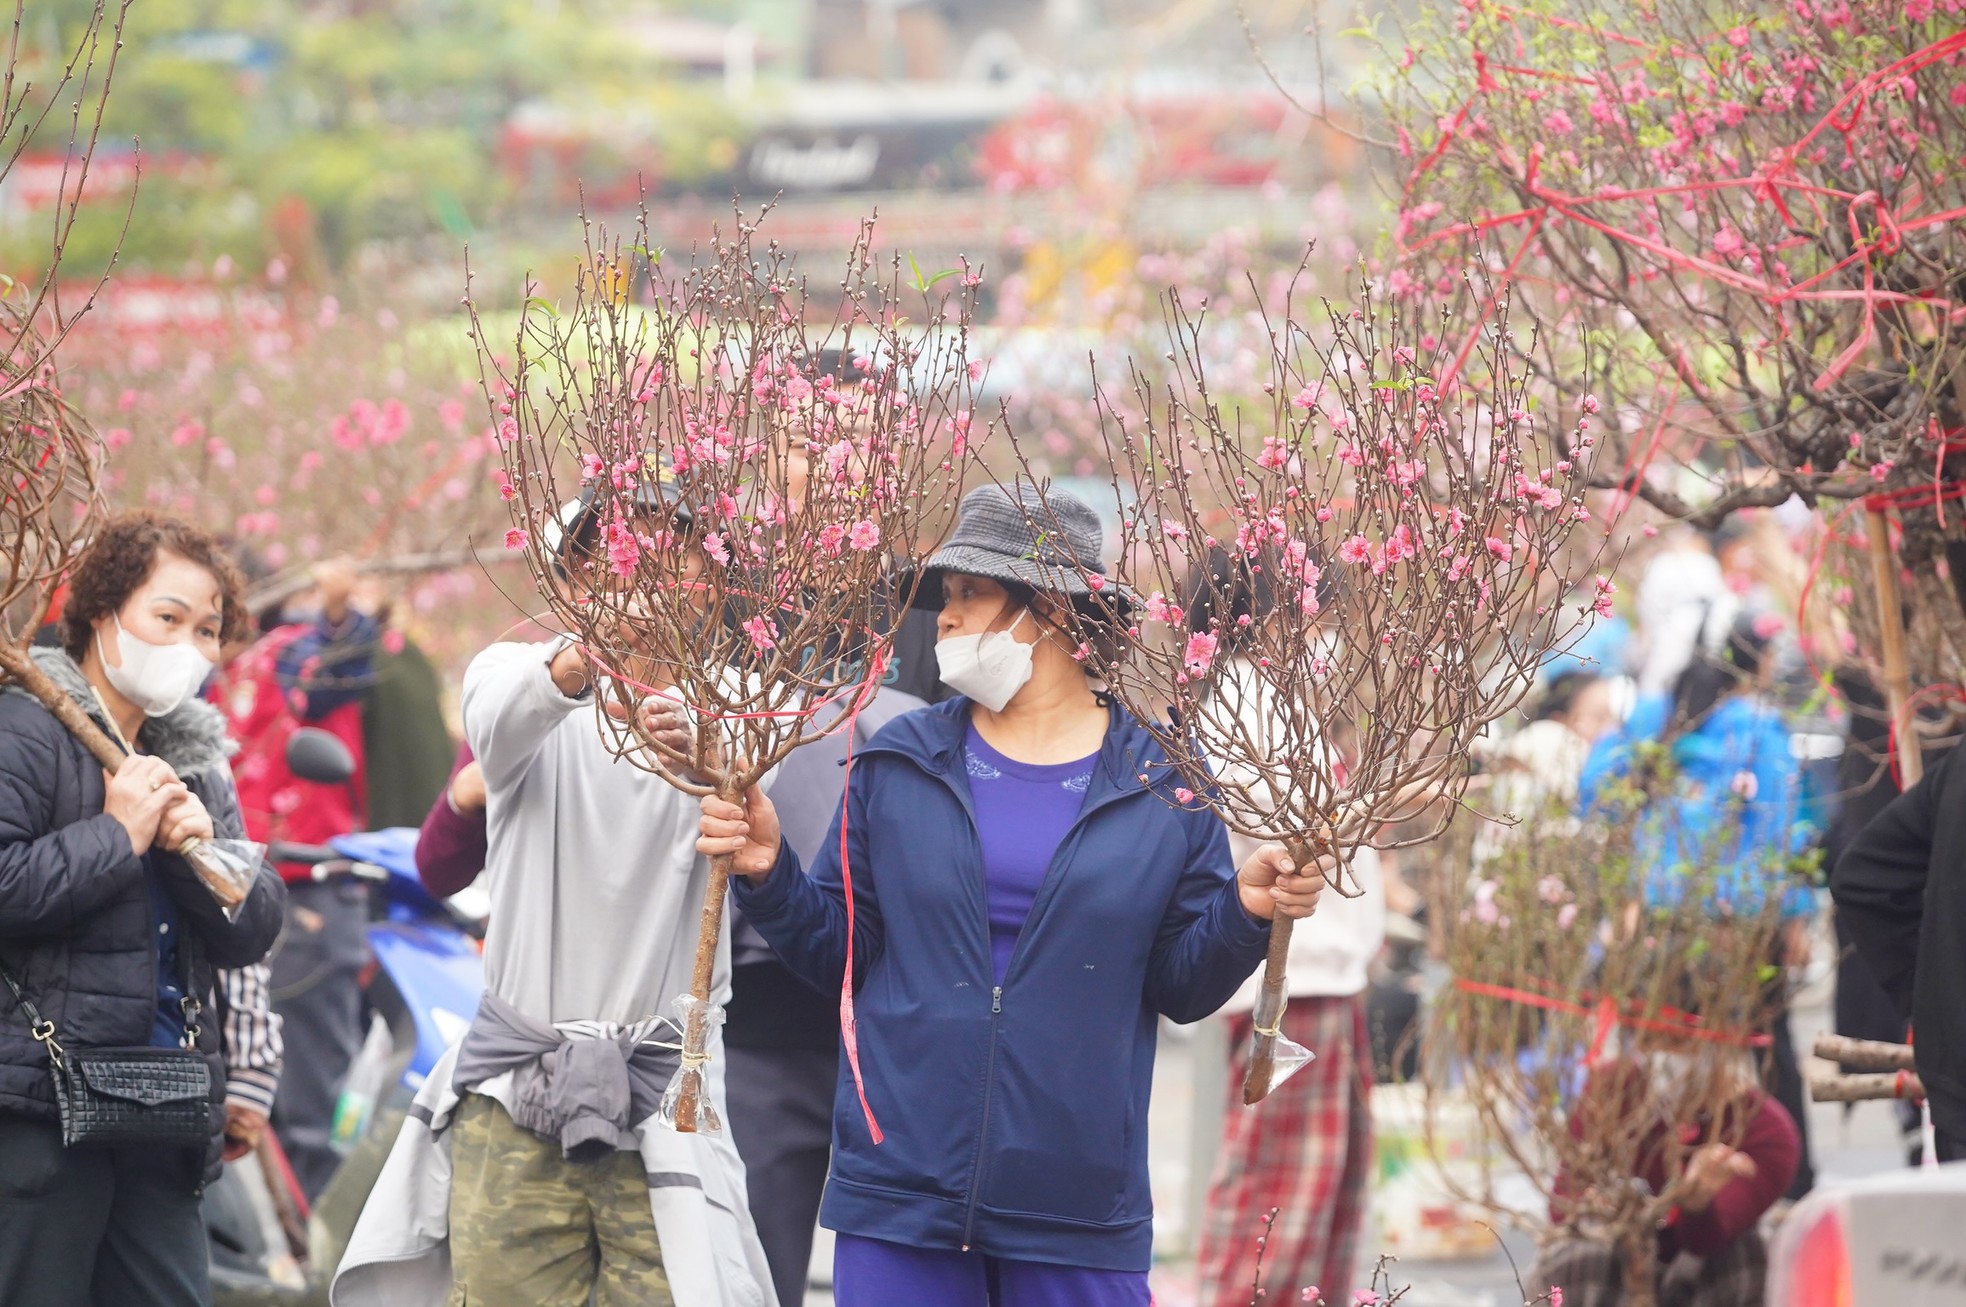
{"x":75,"y":916}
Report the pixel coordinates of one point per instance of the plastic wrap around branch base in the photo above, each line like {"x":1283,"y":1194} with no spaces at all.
{"x":1286,"y":1056}
{"x":226,"y":868}
{"x":698,"y":1019}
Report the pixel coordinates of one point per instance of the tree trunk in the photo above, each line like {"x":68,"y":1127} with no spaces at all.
{"x":1867,"y":1087}
{"x":1269,"y":1016}
{"x":709,"y":928}
{"x":1864,"y":1054}
{"x":1638,"y":1250}
{"x":20,"y":666}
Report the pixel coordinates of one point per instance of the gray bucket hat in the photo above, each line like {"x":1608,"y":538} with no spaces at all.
{"x":1046,"y":539}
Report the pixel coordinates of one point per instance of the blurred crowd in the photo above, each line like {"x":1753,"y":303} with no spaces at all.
{"x":1767,"y":729}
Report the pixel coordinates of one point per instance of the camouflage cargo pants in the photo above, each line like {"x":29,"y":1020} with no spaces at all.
{"x":531,"y":1229}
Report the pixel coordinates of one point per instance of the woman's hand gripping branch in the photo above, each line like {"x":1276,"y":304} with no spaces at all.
{"x":1271,"y":883}
{"x":748,"y":833}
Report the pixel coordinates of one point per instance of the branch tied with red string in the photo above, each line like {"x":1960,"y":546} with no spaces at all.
{"x":1613,"y":981}
{"x":1747,"y":219}
{"x":1341,"y":580}
{"x":717,"y":476}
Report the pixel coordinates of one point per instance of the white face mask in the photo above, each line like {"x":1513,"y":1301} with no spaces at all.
{"x":990,"y":667}
{"x":154,"y":677}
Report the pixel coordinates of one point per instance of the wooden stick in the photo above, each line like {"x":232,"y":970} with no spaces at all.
{"x":1897,"y":674}
{"x":1864,"y":1054}
{"x":20,"y":667}
{"x":709,"y":928}
{"x":1263,"y":1044}
{"x":1866,"y":1088}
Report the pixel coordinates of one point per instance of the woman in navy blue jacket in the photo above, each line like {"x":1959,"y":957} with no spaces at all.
{"x":1029,"y":898}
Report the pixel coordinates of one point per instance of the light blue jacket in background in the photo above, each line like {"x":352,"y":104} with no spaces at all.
{"x":1738,"y":804}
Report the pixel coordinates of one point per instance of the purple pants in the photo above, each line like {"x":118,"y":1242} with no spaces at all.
{"x":875,"y":1273}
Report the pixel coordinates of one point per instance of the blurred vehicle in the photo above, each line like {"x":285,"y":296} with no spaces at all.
{"x":421,"y":991}
{"x":1887,"y":1240}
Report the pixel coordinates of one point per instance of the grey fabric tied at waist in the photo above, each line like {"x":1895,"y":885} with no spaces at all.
{"x":584,"y":1083}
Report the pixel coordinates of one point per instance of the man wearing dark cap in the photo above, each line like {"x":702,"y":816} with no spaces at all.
{"x":537,"y":1131}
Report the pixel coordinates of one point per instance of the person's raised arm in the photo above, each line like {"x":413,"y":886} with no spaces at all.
{"x":1879,"y":883}
{"x":330,"y":663}
{"x":1726,"y":1190}
{"x":514,"y":695}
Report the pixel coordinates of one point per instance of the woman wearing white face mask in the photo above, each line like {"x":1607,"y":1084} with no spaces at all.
{"x":106,"y":933}
{"x":1029,"y":896}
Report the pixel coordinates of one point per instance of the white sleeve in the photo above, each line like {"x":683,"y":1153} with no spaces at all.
{"x":510,"y":705}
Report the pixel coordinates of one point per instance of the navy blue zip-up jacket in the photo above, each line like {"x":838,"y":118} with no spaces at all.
{"x":1015,"y":1118}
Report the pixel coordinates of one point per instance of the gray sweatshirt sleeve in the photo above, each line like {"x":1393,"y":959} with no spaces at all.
{"x":510,"y":705}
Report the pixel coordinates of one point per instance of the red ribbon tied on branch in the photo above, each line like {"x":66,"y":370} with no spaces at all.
{"x":1606,"y":1017}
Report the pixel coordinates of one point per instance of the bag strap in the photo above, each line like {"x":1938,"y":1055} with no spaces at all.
{"x":40,"y":1027}
{"x":189,"y":1003}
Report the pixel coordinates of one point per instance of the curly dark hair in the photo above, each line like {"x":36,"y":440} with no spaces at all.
{"x":121,"y":557}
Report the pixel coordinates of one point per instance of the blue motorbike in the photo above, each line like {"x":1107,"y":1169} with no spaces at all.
{"x":422,"y":987}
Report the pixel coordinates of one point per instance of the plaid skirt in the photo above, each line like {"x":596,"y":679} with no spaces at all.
{"x":1305,"y":1150}
{"x":1591,"y":1275}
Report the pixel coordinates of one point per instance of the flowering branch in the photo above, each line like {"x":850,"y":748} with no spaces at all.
{"x":1746,"y":219}
{"x":1374,"y":557}
{"x":50,"y":463}
{"x":746,"y":499}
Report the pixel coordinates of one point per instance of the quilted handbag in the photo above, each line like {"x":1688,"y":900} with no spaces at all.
{"x":109,"y":1097}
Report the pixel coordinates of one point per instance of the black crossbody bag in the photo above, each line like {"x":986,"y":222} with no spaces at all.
{"x":109,"y":1097}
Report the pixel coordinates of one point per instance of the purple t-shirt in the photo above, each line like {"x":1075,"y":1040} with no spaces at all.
{"x":1023,"y":811}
